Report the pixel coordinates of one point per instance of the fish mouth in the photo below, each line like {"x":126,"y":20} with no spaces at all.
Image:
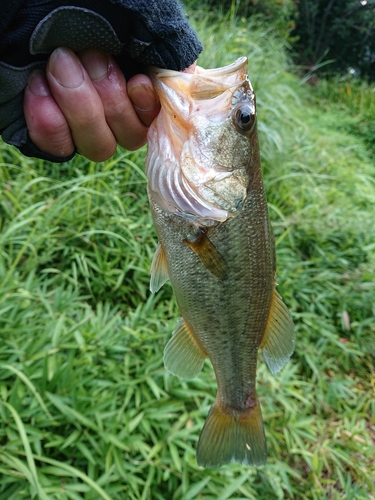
{"x":204,"y":84}
{"x":239,"y":64}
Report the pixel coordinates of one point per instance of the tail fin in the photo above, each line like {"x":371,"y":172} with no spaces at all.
{"x":232,"y":437}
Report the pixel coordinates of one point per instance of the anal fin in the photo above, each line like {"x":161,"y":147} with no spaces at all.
{"x":159,"y":270}
{"x":182,"y":355}
{"x":208,"y":254}
{"x":278,"y":341}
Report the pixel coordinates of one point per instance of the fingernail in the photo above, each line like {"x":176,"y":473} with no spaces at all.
{"x":64,"y":66}
{"x":38,"y":85}
{"x":142,"y":97}
{"x":95,"y":63}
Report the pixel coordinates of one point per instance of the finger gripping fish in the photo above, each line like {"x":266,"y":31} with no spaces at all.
{"x":217,"y":248}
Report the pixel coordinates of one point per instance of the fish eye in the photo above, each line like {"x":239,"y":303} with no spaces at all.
{"x":244,"y":118}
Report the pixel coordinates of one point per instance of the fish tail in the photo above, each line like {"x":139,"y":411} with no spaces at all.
{"x":232,"y":436}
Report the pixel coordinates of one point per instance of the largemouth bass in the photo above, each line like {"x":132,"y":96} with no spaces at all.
{"x":217,"y":248}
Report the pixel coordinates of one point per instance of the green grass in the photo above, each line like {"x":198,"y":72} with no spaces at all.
{"x":87,"y":410}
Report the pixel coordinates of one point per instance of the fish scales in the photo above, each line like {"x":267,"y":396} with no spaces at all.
{"x":222,"y":267}
{"x":243,"y":297}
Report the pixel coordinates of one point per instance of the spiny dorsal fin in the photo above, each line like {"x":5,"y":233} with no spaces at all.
{"x":182,"y":355}
{"x":159,"y":270}
{"x":208,"y":254}
{"x":278,"y":340}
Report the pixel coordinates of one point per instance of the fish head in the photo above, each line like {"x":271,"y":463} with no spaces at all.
{"x":203,"y":146}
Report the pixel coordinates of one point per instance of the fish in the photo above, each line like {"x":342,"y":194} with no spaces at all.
{"x":216,"y":247}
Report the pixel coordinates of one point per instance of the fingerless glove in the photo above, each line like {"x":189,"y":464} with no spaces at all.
{"x":138,"y":33}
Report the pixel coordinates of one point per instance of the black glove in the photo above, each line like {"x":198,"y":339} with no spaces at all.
{"x":138,"y":33}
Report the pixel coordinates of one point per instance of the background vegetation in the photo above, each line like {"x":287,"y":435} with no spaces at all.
{"x":328,"y":36}
{"x":87,"y":410}
{"x":338,"y":32}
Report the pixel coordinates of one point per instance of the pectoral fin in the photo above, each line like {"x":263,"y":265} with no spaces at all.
{"x":278,"y":341}
{"x":182,"y":355}
{"x":159,"y":270}
{"x":208,"y":254}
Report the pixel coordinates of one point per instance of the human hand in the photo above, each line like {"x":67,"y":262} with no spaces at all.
{"x":83,"y":101}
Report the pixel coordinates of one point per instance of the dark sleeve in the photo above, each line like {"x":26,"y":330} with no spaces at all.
{"x":137,"y":32}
